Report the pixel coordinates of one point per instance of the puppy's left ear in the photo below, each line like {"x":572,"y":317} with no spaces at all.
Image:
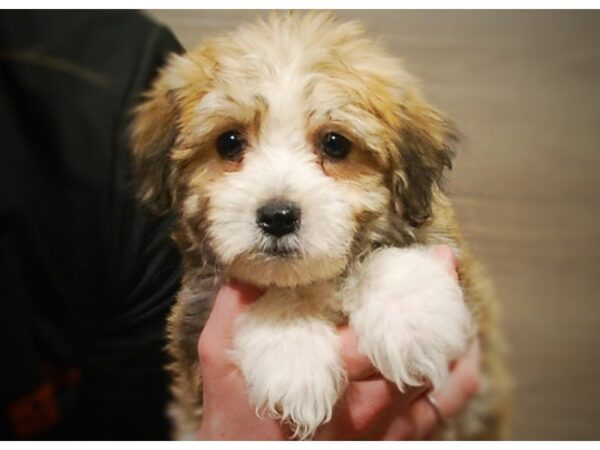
{"x":426,"y":145}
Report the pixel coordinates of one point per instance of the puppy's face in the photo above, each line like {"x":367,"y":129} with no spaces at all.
{"x":287,"y":147}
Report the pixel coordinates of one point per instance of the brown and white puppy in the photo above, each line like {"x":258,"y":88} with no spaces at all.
{"x":299,"y":156}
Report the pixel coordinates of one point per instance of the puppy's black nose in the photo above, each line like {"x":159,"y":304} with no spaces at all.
{"x":278,"y":218}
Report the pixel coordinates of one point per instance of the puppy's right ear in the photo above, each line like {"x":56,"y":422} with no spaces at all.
{"x":154,"y":131}
{"x":152,"y":136}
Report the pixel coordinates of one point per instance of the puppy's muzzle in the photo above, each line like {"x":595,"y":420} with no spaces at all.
{"x":278,"y":218}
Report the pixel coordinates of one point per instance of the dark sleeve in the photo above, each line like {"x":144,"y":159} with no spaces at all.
{"x":92,"y":277}
{"x":126,"y":379}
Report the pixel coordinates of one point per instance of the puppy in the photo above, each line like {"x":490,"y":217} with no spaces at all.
{"x":299,"y":156}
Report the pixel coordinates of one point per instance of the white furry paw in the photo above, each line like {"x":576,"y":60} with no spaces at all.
{"x":292,"y":369}
{"x":409,"y":314}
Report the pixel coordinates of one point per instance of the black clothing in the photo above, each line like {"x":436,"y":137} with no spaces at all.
{"x":86,"y":277}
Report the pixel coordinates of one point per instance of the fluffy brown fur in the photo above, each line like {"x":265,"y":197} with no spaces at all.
{"x":401,"y":146}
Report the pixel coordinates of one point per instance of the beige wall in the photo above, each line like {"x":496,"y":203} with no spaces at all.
{"x":523,"y":88}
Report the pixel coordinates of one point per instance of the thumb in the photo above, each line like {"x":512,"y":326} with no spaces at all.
{"x":232,"y":300}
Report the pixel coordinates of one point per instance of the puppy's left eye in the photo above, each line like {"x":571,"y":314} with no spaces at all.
{"x":230,"y":145}
{"x":335,"y":146}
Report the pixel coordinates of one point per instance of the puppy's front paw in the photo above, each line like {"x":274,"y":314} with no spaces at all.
{"x":409,"y":315}
{"x":293,"y":371}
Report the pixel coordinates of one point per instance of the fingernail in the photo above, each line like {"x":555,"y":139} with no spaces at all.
{"x":446,"y":255}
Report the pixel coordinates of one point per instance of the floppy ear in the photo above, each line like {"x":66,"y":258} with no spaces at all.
{"x":426,"y":147}
{"x":155,"y":128}
{"x":153,"y":134}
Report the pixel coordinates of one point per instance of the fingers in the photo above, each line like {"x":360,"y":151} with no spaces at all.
{"x":373,"y":398}
{"x":356,"y":365}
{"x":462,"y":385}
{"x":365,"y":409}
{"x":391,"y":422}
{"x":445,"y":254}
{"x":232,"y":300}
{"x":400,"y":428}
{"x":370,"y":403}
{"x":373,"y":408}
{"x":225,"y":394}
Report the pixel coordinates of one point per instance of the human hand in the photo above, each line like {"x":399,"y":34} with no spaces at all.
{"x":373,"y":408}
{"x":227,"y":412}
{"x":370,"y":407}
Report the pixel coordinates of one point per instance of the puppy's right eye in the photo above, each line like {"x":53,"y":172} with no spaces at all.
{"x":335,"y":146}
{"x":230,"y":145}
